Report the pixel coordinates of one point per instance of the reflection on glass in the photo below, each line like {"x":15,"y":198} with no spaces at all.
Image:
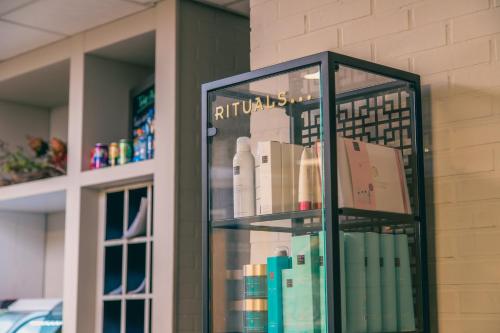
{"x":375,"y":170}
{"x":266,"y":182}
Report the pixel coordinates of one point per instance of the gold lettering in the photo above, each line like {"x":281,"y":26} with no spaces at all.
{"x":245,"y":110}
{"x":282,"y":98}
{"x":219,"y":112}
{"x":235,"y":105}
{"x":227,"y":110}
{"x":258,"y":104}
{"x":269,"y":106}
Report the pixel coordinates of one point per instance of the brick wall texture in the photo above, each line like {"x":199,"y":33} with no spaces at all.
{"x":206,"y":36}
{"x":455,"y":46}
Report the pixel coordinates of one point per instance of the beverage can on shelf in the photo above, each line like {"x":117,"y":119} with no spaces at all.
{"x":142,"y":148}
{"x":125,"y":155}
{"x":99,"y":156}
{"x":150,"y":149}
{"x":114,"y":153}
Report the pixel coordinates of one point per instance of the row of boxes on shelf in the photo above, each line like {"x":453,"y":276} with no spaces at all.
{"x":287,"y":177}
{"x":288,"y":294}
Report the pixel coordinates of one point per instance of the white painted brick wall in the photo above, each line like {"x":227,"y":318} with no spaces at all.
{"x":455,"y":46}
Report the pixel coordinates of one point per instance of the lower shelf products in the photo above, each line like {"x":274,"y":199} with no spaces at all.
{"x":406,"y":317}
{"x":388,"y":283}
{"x":376,"y":287}
{"x":288,"y":288}
{"x":255,"y":281}
{"x":373,"y":292}
{"x":255,"y":316}
{"x":355,"y":282}
{"x":275,"y":266}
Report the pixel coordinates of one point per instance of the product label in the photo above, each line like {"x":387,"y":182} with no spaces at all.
{"x":236,"y":170}
{"x":301,"y":259}
{"x":361,"y":175}
{"x":289,"y":283}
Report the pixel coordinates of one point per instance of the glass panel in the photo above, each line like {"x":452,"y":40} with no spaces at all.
{"x":380,"y":266}
{"x":265,"y":205}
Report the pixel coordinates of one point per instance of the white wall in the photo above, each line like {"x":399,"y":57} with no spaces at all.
{"x":32,"y":120}
{"x":59,"y":123}
{"x":54,"y":255}
{"x":22,"y":250}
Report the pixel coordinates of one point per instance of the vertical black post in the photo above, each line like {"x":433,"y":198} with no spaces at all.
{"x":204,"y":204}
{"x":331,"y":217}
{"x":422,"y":230}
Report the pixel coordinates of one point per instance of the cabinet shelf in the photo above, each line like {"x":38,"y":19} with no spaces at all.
{"x":247,"y":223}
{"x":350,"y":217}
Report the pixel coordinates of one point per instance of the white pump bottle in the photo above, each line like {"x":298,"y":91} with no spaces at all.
{"x":243,"y":179}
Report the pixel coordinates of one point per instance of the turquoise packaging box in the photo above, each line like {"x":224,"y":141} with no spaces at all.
{"x":275,"y":267}
{"x":388,"y":283}
{"x":406,"y":314}
{"x":355,"y":282}
{"x":289,"y":324}
{"x":305,"y":265}
{"x":373,"y":287}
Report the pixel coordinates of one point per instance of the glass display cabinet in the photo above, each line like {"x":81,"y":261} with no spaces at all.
{"x":313,"y":200}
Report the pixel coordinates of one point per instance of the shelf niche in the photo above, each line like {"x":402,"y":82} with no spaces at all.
{"x":35,"y":104}
{"x":111,"y":73}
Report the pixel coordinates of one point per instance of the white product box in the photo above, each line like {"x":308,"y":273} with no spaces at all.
{"x":268,"y":178}
{"x":290,"y":166}
{"x":371,"y":177}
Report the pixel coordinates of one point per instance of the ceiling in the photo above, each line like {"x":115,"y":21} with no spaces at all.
{"x":29,"y":24}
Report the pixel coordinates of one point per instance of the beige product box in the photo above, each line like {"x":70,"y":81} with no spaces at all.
{"x":387,"y":175}
{"x":268,"y":175}
{"x":290,"y":166}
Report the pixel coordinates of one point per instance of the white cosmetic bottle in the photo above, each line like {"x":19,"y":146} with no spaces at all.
{"x":243,"y":179}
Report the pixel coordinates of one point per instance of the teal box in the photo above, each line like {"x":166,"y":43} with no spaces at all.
{"x":275,"y":266}
{"x":288,"y":294}
{"x":305,"y":265}
{"x":406,"y":314}
{"x":355,"y":282}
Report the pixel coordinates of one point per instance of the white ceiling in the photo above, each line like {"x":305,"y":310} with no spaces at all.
{"x":29,"y":24}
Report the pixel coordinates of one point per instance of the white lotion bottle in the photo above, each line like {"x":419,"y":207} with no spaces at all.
{"x":305,"y":180}
{"x":243,"y":179}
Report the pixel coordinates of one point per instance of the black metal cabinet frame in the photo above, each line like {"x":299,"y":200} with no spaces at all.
{"x":329,"y":63}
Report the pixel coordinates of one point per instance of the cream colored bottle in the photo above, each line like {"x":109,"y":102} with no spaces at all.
{"x":243,"y":179}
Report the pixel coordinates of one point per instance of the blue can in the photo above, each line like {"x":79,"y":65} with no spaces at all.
{"x":150,"y":149}
{"x":143,"y":149}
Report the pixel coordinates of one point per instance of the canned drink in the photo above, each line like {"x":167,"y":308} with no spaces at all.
{"x":125,"y":155}
{"x":150,"y":150}
{"x":114,"y":153}
{"x":143,"y":155}
{"x":100,"y":156}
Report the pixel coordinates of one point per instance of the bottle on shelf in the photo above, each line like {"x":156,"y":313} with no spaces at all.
{"x":243,"y":179}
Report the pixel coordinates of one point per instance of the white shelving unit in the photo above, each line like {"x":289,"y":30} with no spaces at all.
{"x":129,"y":258}
{"x":77,"y":89}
